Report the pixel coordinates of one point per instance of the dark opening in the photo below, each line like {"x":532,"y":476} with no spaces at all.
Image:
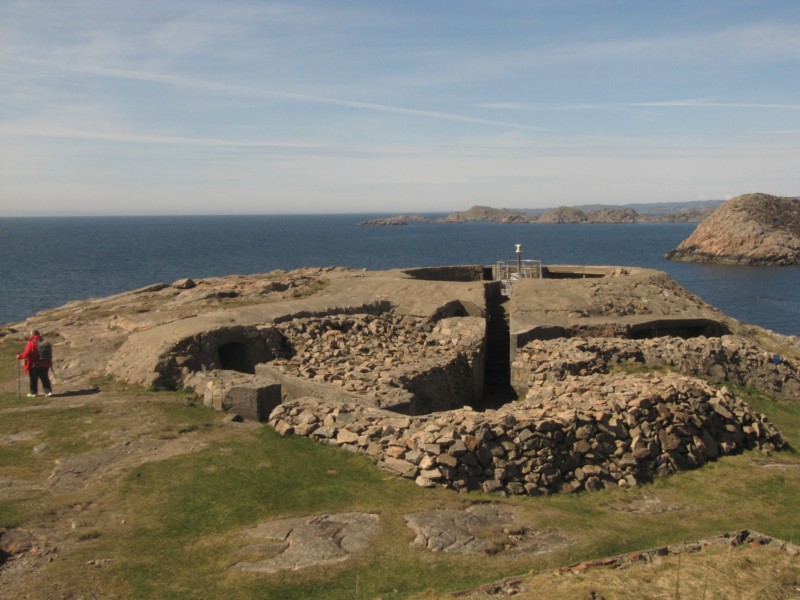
{"x":235,"y":356}
{"x":553,"y":274}
{"x":685,"y":329}
{"x":497,"y":375}
{"x":459,"y":273}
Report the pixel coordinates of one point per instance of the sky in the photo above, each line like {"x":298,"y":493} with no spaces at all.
{"x":259,"y":107}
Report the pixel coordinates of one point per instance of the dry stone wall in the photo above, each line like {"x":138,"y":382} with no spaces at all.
{"x":574,"y":434}
{"x":726,"y":358}
{"x":406,"y":363}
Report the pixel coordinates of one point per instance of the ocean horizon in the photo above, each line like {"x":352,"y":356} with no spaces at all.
{"x":49,"y":261}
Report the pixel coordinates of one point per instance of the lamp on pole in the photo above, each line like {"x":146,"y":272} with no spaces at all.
{"x":518,"y":250}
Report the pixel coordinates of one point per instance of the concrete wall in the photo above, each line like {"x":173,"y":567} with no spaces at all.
{"x":456,"y":273}
{"x":201,"y":351}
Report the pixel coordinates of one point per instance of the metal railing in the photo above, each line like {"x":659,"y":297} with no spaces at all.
{"x":508,"y":272}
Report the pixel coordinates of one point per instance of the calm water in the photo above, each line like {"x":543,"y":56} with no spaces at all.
{"x":47,"y":262}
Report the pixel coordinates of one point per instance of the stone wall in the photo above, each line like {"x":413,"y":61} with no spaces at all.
{"x":403,"y":363}
{"x":573,"y":434}
{"x":727,"y":358}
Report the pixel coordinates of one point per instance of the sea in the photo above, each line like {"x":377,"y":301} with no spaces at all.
{"x":48,"y":261}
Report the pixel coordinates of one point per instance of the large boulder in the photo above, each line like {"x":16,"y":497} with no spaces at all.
{"x":753,"y":229}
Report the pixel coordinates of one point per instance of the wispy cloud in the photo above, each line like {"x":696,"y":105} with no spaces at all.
{"x":213,"y":86}
{"x":745,"y":44}
{"x":48,"y":131}
{"x":712,"y":104}
{"x":687,"y":103}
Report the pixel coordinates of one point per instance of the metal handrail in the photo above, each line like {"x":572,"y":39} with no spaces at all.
{"x":508,"y":272}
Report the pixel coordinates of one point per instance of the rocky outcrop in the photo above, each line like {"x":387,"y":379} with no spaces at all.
{"x":303,"y":542}
{"x":487,"y":213}
{"x":563,"y":214}
{"x":753,"y":229}
{"x":394,"y":221}
{"x":613,"y":215}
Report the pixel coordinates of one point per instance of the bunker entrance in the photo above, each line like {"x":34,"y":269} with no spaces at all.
{"x":235,"y":356}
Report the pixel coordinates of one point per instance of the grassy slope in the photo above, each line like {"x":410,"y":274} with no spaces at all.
{"x":169,"y":529}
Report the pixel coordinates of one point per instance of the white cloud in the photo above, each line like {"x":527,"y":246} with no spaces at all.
{"x":212,"y":86}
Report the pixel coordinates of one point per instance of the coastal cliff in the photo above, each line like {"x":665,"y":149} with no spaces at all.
{"x":752,"y":229}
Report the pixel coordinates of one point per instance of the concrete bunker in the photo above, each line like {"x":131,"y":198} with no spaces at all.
{"x":372,"y":354}
{"x":237,"y":348}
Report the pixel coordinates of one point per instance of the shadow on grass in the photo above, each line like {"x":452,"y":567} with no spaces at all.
{"x":72,"y":393}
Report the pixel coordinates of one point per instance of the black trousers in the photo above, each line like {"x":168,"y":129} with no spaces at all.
{"x":35,"y":375}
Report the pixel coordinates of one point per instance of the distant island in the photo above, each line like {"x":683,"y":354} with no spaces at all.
{"x":752,"y":229}
{"x":680,"y":212}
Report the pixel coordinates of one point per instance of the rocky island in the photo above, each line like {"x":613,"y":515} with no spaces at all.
{"x":752,"y":229}
{"x":558,"y":215}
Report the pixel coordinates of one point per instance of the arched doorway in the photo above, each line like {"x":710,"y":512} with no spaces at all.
{"x":235,"y":356}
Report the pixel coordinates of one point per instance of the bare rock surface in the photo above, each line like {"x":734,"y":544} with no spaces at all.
{"x":753,"y":229}
{"x":77,"y":472}
{"x":648,"y":504}
{"x":481,"y":528}
{"x":299,"y":543}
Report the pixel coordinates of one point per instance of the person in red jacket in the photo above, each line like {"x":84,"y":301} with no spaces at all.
{"x":36,"y":368}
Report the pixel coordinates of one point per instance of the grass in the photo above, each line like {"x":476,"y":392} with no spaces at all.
{"x":717,"y":573}
{"x":637,"y":368}
{"x":169,"y":529}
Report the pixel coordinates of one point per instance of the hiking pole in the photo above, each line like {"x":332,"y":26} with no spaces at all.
{"x":19,"y":380}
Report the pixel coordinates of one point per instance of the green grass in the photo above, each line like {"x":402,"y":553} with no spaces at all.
{"x":637,"y":368}
{"x":190,"y":510}
{"x":9,"y":365}
{"x":176,"y":522}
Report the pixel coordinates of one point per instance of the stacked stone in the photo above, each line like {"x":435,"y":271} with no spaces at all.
{"x":214,"y":385}
{"x":727,"y":358}
{"x":371,"y":354}
{"x":190,"y":356}
{"x":578,"y":434}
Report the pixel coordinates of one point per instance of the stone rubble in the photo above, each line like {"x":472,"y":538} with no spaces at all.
{"x":372,"y":354}
{"x":579,"y":433}
{"x":404,"y":363}
{"x":727,"y":358}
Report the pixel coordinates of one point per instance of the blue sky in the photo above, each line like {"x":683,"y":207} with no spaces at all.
{"x":238,"y":107}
